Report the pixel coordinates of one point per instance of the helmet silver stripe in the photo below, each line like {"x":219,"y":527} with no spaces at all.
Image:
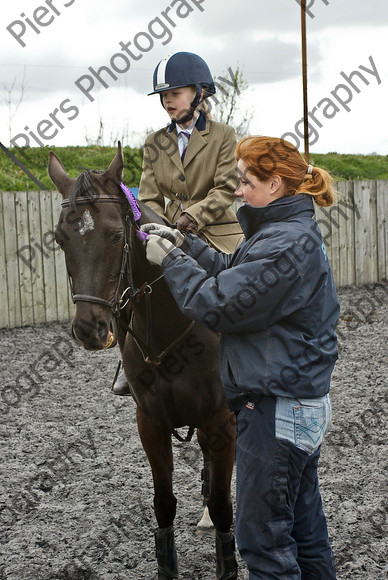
{"x":161,"y":76}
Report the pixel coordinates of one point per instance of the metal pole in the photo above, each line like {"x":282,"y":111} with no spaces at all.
{"x":304,"y":73}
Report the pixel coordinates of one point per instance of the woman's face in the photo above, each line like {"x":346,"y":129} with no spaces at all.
{"x":255,"y":192}
{"x":177,"y":102}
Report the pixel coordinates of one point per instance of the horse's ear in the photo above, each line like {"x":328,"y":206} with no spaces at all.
{"x":59,"y":177}
{"x":115,"y":169}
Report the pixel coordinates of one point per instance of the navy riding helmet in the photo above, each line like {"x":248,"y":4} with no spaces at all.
{"x":183,"y":69}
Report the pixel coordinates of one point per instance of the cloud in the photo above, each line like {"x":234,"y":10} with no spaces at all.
{"x":263,"y":61}
{"x":261,"y":37}
{"x":279,"y":16}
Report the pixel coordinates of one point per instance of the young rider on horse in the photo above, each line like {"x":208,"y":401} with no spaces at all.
{"x":275,"y":304}
{"x":189,"y":171}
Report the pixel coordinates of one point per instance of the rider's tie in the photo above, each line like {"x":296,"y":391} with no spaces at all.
{"x":185,"y":140}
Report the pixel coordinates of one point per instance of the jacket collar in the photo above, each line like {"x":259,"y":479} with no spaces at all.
{"x":252,"y":218}
{"x":200,"y":124}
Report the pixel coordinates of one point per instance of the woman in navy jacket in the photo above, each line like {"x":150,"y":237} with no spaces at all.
{"x":275,"y":305}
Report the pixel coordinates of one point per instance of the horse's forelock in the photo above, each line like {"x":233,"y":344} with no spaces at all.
{"x":83,"y":186}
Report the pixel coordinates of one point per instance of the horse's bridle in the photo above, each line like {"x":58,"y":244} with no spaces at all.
{"x":130,"y":294}
{"x":116,"y":303}
{"x":119,"y":302}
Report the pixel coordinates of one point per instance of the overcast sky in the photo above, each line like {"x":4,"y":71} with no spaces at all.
{"x":49,"y":46}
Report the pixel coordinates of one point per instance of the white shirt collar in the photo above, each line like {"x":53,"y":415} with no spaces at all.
{"x":189,"y":128}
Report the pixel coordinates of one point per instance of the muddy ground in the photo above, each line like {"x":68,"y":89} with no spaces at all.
{"x":76,"y":492}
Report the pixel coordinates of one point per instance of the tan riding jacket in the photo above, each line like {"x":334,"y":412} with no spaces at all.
{"x":201,"y":186}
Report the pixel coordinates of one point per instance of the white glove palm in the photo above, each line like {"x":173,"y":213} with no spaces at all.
{"x":157,"y":248}
{"x":173,"y":235}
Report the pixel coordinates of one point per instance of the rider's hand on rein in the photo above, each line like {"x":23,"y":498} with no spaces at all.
{"x":187,"y":224}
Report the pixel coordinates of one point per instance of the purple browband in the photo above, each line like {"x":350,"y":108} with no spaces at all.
{"x":135,"y":208}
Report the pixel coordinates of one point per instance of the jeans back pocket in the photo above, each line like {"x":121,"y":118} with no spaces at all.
{"x":311,"y":421}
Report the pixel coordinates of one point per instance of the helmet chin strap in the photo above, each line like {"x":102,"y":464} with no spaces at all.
{"x":187,"y":117}
{"x":190,"y":114}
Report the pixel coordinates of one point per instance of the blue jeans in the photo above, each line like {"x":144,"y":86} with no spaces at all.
{"x":281,"y":529}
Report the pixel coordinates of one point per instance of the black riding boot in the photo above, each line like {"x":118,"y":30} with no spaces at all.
{"x":226,"y":560}
{"x":120,"y":384}
{"x":166,"y":553}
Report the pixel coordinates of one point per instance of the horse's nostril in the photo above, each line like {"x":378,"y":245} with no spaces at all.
{"x":74,"y":334}
{"x":101,"y":329}
{"x":93,"y":334}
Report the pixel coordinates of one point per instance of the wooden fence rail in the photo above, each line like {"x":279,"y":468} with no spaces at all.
{"x":33,"y":280}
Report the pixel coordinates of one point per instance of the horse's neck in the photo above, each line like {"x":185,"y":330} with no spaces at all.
{"x":142,"y":271}
{"x":165,"y":314}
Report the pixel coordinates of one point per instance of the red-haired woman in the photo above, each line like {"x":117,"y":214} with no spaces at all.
{"x":274,"y":302}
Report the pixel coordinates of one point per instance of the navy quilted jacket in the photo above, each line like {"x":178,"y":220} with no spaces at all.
{"x":273,"y":301}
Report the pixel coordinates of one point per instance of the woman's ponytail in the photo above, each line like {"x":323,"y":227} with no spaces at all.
{"x":268,"y":156}
{"x":319,"y":184}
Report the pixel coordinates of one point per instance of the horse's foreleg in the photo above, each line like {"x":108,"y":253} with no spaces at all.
{"x":226,"y":556}
{"x":221,"y":437}
{"x":166,"y":553}
{"x":206,"y":522}
{"x":221,"y":441}
{"x":205,"y":473}
{"x":157,"y":444}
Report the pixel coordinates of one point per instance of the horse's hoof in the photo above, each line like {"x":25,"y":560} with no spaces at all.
{"x":206,"y":523}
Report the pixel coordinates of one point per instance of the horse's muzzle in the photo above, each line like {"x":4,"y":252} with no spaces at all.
{"x":100,"y":336}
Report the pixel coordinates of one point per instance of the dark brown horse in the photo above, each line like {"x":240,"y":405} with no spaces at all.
{"x":171,"y":363}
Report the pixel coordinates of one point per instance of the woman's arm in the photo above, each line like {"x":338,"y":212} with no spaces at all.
{"x":208,"y":258}
{"x":245,"y":298}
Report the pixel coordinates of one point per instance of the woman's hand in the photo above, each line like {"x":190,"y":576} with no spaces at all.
{"x":173,"y":235}
{"x":157,"y":248}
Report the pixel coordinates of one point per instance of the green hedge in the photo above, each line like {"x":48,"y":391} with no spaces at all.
{"x":76,"y":159}
{"x":357,"y":167}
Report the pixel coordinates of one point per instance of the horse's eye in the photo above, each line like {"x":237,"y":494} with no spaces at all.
{"x":59,"y":241}
{"x":118,"y":237}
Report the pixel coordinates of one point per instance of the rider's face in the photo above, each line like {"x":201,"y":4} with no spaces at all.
{"x":177,"y":102}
